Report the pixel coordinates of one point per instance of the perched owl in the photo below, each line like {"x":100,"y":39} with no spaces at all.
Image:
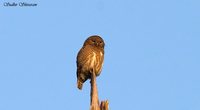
{"x":90,"y":59}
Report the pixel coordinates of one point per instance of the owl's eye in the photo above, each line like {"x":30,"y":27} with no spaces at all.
{"x":93,"y":41}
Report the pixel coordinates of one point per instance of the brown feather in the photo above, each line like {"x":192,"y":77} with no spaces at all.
{"x":90,"y":59}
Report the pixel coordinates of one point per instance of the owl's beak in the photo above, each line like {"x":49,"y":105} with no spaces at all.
{"x":97,"y":44}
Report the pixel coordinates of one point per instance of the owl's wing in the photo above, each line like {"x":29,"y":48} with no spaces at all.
{"x":83,"y":57}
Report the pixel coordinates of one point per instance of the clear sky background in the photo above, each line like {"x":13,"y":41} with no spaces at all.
{"x":152,"y":54}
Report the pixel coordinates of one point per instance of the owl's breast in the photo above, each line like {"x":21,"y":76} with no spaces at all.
{"x":95,"y":62}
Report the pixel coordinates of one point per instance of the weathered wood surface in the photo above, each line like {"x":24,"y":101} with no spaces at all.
{"x":94,"y":102}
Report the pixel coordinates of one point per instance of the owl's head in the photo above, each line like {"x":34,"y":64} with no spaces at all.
{"x":95,"y":40}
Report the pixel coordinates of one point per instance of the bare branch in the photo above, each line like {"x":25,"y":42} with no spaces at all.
{"x":94,"y":102}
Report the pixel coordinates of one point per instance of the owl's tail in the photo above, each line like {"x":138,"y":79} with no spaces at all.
{"x":79,"y":84}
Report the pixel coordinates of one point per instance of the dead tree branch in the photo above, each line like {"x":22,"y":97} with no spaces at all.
{"x":94,"y":102}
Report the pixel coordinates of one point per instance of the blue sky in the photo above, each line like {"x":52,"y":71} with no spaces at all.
{"x":152,"y":57}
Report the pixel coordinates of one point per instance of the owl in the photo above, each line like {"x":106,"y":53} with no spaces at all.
{"x":90,"y":59}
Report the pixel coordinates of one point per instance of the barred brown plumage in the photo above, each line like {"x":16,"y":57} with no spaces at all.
{"x":90,"y":59}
